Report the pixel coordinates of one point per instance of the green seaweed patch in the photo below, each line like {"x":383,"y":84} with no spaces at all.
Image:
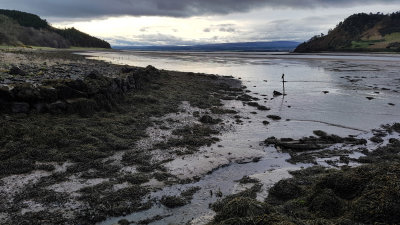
{"x":246,"y":98}
{"x":209,"y":120}
{"x":135,"y":157}
{"x":383,"y":154}
{"x":162,"y":176}
{"x":286,"y":190}
{"x":365,"y":194}
{"x":198,"y":130}
{"x":219,"y":110}
{"x":104,"y":202}
{"x":239,"y":208}
{"x":94,"y":169}
{"x":153,"y":219}
{"x":263,"y":108}
{"x":274,"y":117}
{"x":254,"y":104}
{"x":192,"y":137}
{"x":173,"y":201}
{"x":137,"y":178}
{"x":35,"y":141}
{"x":248,"y":180}
{"x":368,"y":194}
{"x":188,"y":194}
{"x":376,"y":139}
{"x":320,"y":133}
{"x":248,"y":193}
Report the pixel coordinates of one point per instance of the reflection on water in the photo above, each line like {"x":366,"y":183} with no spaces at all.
{"x":324,"y":91}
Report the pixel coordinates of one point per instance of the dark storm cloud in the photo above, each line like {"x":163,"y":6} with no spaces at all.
{"x":174,"y":8}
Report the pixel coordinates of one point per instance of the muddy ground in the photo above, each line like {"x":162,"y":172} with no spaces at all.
{"x":366,"y":194}
{"x":69,"y":168}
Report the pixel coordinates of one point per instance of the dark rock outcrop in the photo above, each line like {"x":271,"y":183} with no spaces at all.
{"x":83,"y":95}
{"x":15,"y":70}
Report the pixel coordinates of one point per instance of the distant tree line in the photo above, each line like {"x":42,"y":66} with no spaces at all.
{"x":352,"y":29}
{"x":78,"y":38}
{"x":25,"y":19}
{"x":356,"y":24}
{"x":393,"y":24}
{"x":71,"y":35}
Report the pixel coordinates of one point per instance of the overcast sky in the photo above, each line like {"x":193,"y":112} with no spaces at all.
{"x":186,"y":22}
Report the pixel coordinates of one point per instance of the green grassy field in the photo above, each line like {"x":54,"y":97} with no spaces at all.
{"x":363,"y":44}
{"x":394,"y":37}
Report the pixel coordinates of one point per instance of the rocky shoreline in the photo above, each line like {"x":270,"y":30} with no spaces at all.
{"x":87,"y":152}
{"x":366,"y":194}
{"x":82,"y":141}
{"x":69,"y":88}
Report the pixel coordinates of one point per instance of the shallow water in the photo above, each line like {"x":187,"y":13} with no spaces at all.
{"x":222,"y":180}
{"x":345,"y":110}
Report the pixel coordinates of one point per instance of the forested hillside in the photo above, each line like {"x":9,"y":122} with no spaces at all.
{"x":359,"y":32}
{"x":21,"y":28}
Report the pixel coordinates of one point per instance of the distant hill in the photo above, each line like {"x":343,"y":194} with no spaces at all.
{"x":21,"y":28}
{"x":359,"y":32}
{"x":240,"y":46}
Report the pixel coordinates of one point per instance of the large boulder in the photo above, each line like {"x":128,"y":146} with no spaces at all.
{"x":5,"y":93}
{"x":94,"y":74}
{"x":209,"y":120}
{"x":65,"y":92}
{"x":25,"y":93}
{"x":15,"y":70}
{"x":20,"y":107}
{"x":130,"y":82}
{"x":127,"y":69}
{"x":326,"y":204}
{"x":41,"y":107}
{"x":78,"y":84}
{"x":57,"y":107}
{"x":97,"y":83}
{"x":48,"y":93}
{"x":82,"y":106}
{"x":241,"y":207}
{"x":286,"y":189}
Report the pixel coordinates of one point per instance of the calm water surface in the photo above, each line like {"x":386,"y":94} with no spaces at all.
{"x":346,"y":79}
{"x":349,"y":79}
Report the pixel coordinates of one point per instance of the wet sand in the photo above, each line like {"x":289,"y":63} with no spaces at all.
{"x":323,"y":93}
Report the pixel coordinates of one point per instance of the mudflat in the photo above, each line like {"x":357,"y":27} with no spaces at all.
{"x":86,"y":141}
{"x":81,"y":163}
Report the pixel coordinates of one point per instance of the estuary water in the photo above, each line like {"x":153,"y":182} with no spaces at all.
{"x":344,"y":94}
{"x":339,"y":93}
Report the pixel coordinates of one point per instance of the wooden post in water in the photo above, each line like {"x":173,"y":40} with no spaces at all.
{"x":283,"y":83}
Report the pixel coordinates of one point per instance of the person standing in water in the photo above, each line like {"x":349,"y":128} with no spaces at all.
{"x":283,"y":78}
